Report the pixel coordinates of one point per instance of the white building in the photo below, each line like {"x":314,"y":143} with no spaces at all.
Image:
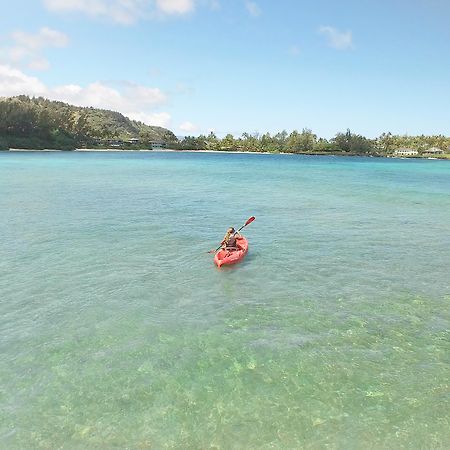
{"x":403,"y":151}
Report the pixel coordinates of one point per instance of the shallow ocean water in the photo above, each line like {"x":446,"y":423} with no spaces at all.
{"x":117,"y":331}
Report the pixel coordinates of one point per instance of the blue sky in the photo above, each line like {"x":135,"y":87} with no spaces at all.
{"x":238,"y":65}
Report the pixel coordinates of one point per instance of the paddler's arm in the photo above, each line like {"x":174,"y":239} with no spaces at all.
{"x":224,"y":240}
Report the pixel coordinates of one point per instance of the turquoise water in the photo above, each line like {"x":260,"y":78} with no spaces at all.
{"x":117,"y":331}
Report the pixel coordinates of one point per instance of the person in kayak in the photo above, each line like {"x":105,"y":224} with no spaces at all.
{"x":229,"y":240}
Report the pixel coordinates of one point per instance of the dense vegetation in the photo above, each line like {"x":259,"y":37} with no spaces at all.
{"x":307,"y":142}
{"x":40,"y":123}
{"x":37,"y":123}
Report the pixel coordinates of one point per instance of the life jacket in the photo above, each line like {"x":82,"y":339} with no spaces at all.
{"x":231,"y":241}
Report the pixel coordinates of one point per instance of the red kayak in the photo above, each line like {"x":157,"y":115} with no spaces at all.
{"x":224,"y":257}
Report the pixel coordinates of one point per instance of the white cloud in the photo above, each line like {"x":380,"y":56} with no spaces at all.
{"x":253,"y":9}
{"x":27,"y":48}
{"x":146,"y":95}
{"x":95,"y":94}
{"x":132,"y":99}
{"x":135,"y":101}
{"x":123,"y":11}
{"x":175,"y":6}
{"x":188,"y":127}
{"x":161,"y":119}
{"x":340,"y":40}
{"x":15,"y":82}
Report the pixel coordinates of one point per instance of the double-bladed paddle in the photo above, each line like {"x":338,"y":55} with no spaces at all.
{"x":249,"y":221}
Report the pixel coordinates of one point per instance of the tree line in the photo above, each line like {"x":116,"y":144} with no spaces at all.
{"x":306,"y":141}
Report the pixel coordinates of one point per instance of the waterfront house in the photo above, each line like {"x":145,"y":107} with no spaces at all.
{"x":404,"y":151}
{"x":433,"y":151}
{"x":157,"y":145}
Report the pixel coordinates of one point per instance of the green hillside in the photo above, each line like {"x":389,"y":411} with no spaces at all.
{"x":37,"y":123}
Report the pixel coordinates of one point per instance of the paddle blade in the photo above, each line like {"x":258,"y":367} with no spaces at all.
{"x":215,"y":250}
{"x":249,"y":221}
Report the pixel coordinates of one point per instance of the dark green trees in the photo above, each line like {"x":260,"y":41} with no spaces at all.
{"x":40,"y":123}
{"x":349,"y":142}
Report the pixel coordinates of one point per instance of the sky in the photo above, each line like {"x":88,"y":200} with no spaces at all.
{"x":234,"y":66}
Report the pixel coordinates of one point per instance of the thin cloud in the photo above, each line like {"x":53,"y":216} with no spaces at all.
{"x":116,"y":10}
{"x":253,"y":9}
{"x":215,"y":5}
{"x":188,"y":127}
{"x":27,"y":48}
{"x":45,"y":37}
{"x":182,"y":88}
{"x":340,"y":40}
{"x":175,"y":6}
{"x":39,"y":64}
{"x":124,"y":12}
{"x":294,"y":50}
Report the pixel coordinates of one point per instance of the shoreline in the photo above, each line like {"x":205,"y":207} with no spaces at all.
{"x":168,"y":150}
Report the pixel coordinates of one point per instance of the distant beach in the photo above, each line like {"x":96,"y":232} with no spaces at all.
{"x":168,"y":150}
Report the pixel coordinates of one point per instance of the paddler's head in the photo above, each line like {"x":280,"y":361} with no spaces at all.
{"x":230,"y":230}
